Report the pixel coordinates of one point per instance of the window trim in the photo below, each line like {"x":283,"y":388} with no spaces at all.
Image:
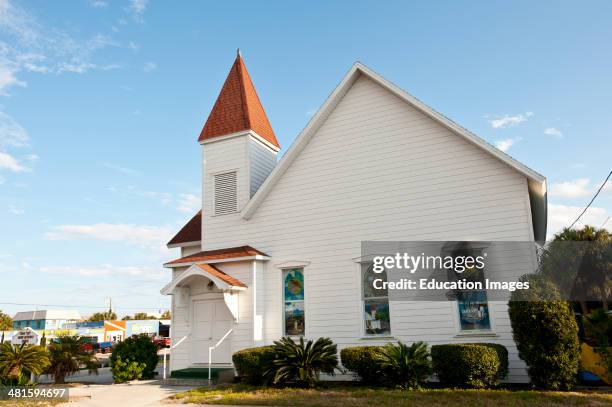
{"x":283,"y":319}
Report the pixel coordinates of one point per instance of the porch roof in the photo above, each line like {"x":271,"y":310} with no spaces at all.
{"x":222,"y":280}
{"x":219,"y":256}
{"x":212,"y":270}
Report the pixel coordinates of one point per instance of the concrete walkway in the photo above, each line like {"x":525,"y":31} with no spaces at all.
{"x":135,"y":394}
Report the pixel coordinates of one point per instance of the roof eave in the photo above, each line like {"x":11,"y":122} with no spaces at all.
{"x":228,"y":260}
{"x":184,"y":244}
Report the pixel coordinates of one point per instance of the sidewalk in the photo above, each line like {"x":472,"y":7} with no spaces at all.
{"x":135,"y":394}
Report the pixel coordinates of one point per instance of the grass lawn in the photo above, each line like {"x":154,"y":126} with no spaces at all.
{"x":338,"y":396}
{"x":27,"y":403}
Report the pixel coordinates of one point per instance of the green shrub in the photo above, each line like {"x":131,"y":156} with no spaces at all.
{"x":364,"y":361}
{"x":546,"y":334}
{"x":126,"y":371}
{"x":139,"y":349}
{"x":408,"y":367}
{"x":300,"y":363}
{"x":251,"y":363}
{"x":469,"y":365}
{"x":598,"y":328}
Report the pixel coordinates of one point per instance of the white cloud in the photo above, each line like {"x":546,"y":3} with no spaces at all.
{"x":12,"y":134}
{"x":164,"y":197}
{"x":137,"y":235}
{"x":189,"y":203}
{"x":30,"y":46}
{"x":138,"y":6}
{"x":123,"y":170}
{"x":571,"y":189}
{"x":15,"y":210}
{"x":504,"y":145}
{"x":502,"y":122}
{"x":560,"y":216}
{"x":98,"y":3}
{"x":149,"y":66}
{"x":107,"y":270}
{"x":8,"y":79}
{"x":576,"y":189}
{"x":10,"y":163}
{"x":552,"y":131}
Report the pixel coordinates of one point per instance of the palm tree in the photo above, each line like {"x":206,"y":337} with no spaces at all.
{"x":14,"y":361}
{"x":300,"y":363}
{"x":67,"y":355}
{"x":407,"y":366}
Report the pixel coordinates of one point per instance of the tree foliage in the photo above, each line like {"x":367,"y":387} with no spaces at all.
{"x":109,"y":315}
{"x":139,"y":349}
{"x":6,"y":322}
{"x":67,"y":355}
{"x":300,"y":363}
{"x":408,"y":367}
{"x":579,"y":262}
{"x":16,"y":360}
{"x":138,"y":316}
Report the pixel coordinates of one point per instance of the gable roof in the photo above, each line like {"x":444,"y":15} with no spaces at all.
{"x":213,"y":271}
{"x":238,"y":108}
{"x":218,"y":256}
{"x":219,"y":278}
{"x":190,"y":233}
{"x":47,"y":314}
{"x":536,"y":181}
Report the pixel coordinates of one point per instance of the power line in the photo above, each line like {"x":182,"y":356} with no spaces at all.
{"x":595,"y":196}
{"x":75,"y":306}
{"x":604,"y":224}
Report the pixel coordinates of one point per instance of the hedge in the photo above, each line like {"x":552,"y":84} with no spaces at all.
{"x":546,"y":334}
{"x":364,"y":361}
{"x":251,"y":364}
{"x":470,"y":365}
{"x":133,"y":359}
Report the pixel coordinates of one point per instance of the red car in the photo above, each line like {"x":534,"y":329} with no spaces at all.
{"x":162,"y":342}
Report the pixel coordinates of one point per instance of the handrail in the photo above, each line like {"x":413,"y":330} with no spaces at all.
{"x":172,"y":347}
{"x":211,"y":348}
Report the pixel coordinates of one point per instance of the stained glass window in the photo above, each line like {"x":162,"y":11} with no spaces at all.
{"x":293,"y":288}
{"x":377,"y":320}
{"x":473,"y":310}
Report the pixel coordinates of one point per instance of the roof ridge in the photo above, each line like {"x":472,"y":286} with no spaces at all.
{"x":245,"y":103}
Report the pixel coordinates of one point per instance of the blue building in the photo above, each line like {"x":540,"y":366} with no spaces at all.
{"x":45,"y":319}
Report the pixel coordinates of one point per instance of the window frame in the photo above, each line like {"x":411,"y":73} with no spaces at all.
{"x":285,"y":270}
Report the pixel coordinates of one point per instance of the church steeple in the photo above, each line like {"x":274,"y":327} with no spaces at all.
{"x":238,"y":108}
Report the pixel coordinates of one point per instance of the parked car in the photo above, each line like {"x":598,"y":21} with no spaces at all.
{"x":162,"y":342}
{"x":106,"y":346}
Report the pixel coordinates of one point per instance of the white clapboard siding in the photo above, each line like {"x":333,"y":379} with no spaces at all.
{"x":262,"y":160}
{"x":377,"y":169}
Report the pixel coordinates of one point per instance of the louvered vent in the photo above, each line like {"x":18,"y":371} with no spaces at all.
{"x":225,"y":193}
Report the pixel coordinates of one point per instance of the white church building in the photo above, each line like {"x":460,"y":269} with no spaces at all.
{"x":276,"y":249}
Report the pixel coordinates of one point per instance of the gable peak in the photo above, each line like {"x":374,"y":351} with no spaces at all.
{"x":238,"y":108}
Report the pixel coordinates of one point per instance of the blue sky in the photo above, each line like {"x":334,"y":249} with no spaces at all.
{"x":101,"y":103}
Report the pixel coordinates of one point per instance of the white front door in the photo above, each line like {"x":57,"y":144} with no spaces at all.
{"x":211,"y":320}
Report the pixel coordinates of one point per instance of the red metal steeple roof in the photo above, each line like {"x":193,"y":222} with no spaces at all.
{"x":238,"y":108}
